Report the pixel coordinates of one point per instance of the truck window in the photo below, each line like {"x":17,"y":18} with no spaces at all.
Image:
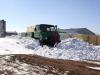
{"x":47,"y":28}
{"x":37,"y":28}
{"x":52,"y":29}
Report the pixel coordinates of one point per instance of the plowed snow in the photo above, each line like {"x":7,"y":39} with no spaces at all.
{"x":71,"y":49}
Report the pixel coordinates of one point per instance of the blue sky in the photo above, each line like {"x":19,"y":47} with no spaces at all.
{"x":65,"y":13}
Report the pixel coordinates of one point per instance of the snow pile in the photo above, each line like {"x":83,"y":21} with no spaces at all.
{"x":71,"y":49}
{"x":74,"y":43}
{"x":78,"y":49}
{"x":13,"y":46}
{"x":29,"y":43}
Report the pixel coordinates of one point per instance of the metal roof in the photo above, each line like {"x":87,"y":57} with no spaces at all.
{"x":77,"y":31}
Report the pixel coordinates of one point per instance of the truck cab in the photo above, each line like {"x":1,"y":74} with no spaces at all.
{"x":46,"y":34}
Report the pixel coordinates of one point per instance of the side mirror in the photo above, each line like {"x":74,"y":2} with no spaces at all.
{"x":35,"y":29}
{"x":56,"y":27}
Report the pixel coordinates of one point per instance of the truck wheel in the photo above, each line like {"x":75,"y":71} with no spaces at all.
{"x":41,"y":43}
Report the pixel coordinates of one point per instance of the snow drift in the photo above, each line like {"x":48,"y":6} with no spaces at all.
{"x":71,"y":49}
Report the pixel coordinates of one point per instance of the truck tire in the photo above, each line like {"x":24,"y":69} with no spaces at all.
{"x":41,"y":42}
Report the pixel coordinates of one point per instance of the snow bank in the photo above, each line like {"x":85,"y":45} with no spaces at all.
{"x":71,"y":49}
{"x":14,"y":46}
{"x":78,"y":49}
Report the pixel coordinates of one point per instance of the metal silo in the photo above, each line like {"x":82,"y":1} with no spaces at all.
{"x":2,"y":28}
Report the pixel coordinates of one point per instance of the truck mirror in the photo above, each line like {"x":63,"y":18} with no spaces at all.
{"x":56,"y":27}
{"x":35,"y":29}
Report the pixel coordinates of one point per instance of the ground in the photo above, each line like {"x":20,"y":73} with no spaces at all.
{"x":22,"y":64}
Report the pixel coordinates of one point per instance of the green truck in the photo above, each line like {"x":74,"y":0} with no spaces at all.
{"x":46,"y":34}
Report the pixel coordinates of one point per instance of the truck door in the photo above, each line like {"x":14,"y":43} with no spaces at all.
{"x":37,"y":32}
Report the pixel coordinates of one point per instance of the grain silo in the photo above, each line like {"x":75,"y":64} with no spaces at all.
{"x":2,"y":28}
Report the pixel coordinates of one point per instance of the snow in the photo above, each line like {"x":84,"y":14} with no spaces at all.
{"x":70,"y":49}
{"x":10,"y":65}
{"x":94,"y":62}
{"x":13,"y":46}
{"x":78,"y":49}
{"x":96,"y":68}
{"x":7,"y":65}
{"x":98,"y":47}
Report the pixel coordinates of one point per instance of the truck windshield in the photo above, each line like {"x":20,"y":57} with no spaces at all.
{"x":47,"y":28}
